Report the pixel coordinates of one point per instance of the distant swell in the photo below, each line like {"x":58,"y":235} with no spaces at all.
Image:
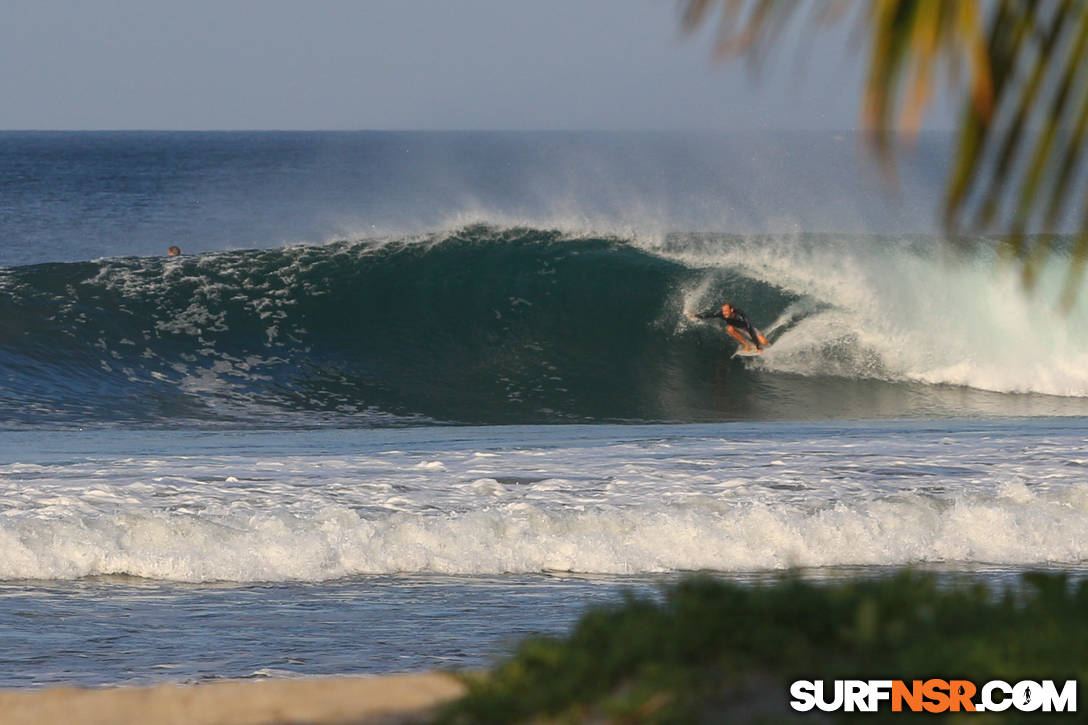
{"x":519,"y":325}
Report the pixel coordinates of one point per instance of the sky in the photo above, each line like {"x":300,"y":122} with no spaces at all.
{"x":406,"y":64}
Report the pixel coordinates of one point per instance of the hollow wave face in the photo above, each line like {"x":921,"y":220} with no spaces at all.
{"x":494,"y":325}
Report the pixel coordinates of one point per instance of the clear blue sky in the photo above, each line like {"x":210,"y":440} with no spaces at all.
{"x":402,"y":64}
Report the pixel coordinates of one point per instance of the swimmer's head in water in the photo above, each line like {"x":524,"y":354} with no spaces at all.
{"x":174,"y":251}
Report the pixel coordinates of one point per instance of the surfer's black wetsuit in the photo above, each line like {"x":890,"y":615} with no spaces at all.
{"x":738,"y":320}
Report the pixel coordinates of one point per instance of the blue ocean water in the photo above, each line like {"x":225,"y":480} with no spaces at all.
{"x":406,"y":397}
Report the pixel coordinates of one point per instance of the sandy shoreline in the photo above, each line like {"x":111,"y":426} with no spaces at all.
{"x":388,"y":699}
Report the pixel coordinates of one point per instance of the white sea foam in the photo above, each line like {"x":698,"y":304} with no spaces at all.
{"x":522,"y":537}
{"x":906,"y":310}
{"x":609,"y":500}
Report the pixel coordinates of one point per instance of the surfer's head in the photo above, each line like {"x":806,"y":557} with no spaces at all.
{"x":174,"y":251}
{"x":727,"y":309}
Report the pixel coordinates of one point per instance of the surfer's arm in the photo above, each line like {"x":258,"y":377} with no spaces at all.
{"x":705,"y":315}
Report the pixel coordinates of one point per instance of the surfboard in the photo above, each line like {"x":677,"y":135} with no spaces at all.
{"x":741,"y":352}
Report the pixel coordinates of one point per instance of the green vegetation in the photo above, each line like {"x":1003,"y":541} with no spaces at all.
{"x":713,"y":651}
{"x":1017,"y":66}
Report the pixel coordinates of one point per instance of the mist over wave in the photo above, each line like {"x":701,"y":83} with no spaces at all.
{"x":510,"y":324}
{"x":906,"y":309}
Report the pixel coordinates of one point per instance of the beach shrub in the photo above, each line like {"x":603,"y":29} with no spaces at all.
{"x":713,"y":651}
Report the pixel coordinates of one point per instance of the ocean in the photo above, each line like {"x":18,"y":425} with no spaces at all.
{"x":407,"y":397}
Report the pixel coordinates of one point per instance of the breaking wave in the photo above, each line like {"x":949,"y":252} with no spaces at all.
{"x":495,"y":325}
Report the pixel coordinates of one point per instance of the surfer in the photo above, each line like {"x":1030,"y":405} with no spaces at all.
{"x":751,"y":338}
{"x":174,"y":251}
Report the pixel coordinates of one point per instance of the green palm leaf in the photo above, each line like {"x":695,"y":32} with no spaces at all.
{"x":1019,"y":67}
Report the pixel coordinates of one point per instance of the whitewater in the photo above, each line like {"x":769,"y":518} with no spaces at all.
{"x":588,"y":500}
{"x":405,"y":398}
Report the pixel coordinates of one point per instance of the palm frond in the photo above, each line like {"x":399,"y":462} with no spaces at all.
{"x":1020,"y":68}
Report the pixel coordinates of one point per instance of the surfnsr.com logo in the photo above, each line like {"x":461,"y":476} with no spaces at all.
{"x":933,"y":696}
